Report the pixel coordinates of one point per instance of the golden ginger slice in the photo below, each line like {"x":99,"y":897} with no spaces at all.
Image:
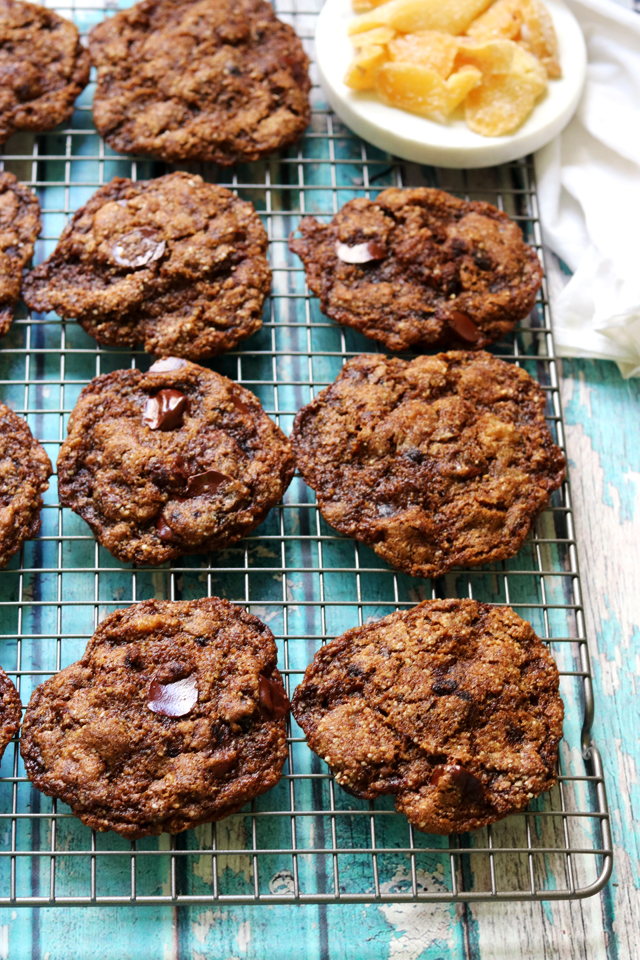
{"x":412,"y":87}
{"x":502,"y":21}
{"x":460,"y":84}
{"x":379,"y":36}
{"x":489,"y":56}
{"x":537,"y":34}
{"x":528,"y":22}
{"x":429,"y":48}
{"x":409,"y":16}
{"x":361,"y":73}
{"x":503,"y":101}
{"x":361,"y":6}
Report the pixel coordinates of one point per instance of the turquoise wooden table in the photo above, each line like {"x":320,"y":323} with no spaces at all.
{"x":308,"y":871}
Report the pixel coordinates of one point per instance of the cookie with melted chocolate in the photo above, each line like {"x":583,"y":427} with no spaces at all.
{"x":43,"y":67}
{"x":220,"y":80}
{"x":19,"y":229}
{"x":175,"y":716}
{"x":175,"y":461}
{"x":420,"y":268}
{"x":452,"y":707}
{"x":175,"y":263}
{"x":25,"y":469}
{"x":434,"y":463}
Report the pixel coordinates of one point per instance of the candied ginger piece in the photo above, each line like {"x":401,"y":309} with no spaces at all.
{"x":361,"y":6}
{"x":459,"y":84}
{"x":379,"y":36}
{"x":410,"y":16}
{"x":502,"y":21}
{"x":489,"y":56}
{"x":503,"y":101}
{"x":528,"y":22}
{"x":361,"y":73}
{"x":429,"y":48}
{"x":413,"y":87}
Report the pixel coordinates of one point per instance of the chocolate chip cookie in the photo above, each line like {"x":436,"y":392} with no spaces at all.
{"x":175,"y":461}
{"x":19,"y":229}
{"x":10,"y":711}
{"x":43,"y":68}
{"x":174,"y":716}
{"x":452,"y":707}
{"x":420,"y":268}
{"x":175,"y":263}
{"x":220,"y":80}
{"x":436,"y":462}
{"x":24,"y":471}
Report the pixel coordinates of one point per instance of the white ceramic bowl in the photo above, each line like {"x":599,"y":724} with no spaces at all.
{"x":453,"y":144}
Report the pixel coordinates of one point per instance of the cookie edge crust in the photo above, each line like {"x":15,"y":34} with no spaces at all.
{"x":219,"y":156}
{"x":301,"y":247}
{"x":67,"y":459}
{"x":127,"y":828}
{"x":500,"y":552}
{"x":401,"y":798}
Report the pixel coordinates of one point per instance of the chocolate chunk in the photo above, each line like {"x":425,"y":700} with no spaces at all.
{"x":464,"y":326}
{"x":273,"y":700}
{"x":138,"y":248}
{"x":207,"y":482}
{"x":166,"y":410}
{"x":361,"y":252}
{"x":447,"y":685}
{"x":164,"y":530}
{"x":173,"y":699}
{"x":167,"y":363}
{"x":221,"y":765}
{"x":239,"y":404}
{"x":415,"y":455}
{"x":469,"y":786}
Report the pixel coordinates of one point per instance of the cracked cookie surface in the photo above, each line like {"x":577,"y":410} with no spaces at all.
{"x":217,"y":80}
{"x":19,"y":229}
{"x":43,"y":67}
{"x":24,"y":471}
{"x":175,"y":461}
{"x":174,"y":716}
{"x":436,"y":462}
{"x":452,"y":707}
{"x":175,"y":263}
{"x":419,"y":268}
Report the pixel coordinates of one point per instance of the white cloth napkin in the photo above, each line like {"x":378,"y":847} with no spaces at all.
{"x":589,"y":195}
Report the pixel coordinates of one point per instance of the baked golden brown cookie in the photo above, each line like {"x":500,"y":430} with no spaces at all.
{"x":175,"y":263}
{"x":420,"y":268}
{"x":43,"y":68}
{"x":24,"y":471}
{"x":434,"y":463}
{"x":175,"y":461}
{"x":220,"y":80}
{"x":10,"y":711}
{"x":174,"y":716}
{"x":19,"y":229}
{"x":452,"y":707}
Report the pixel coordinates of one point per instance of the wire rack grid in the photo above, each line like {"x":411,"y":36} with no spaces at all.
{"x":306,"y":840}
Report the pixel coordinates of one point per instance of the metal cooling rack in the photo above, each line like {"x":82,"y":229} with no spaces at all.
{"x":306,"y":841}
